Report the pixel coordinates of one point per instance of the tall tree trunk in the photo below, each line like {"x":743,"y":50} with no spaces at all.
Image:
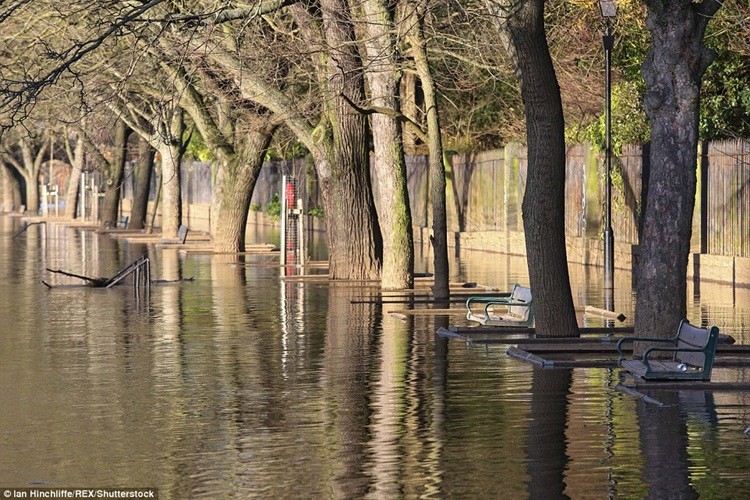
{"x":144,"y":169}
{"x":171,"y":158}
{"x":544,"y":198}
{"x":29,"y":170}
{"x":672,"y":71}
{"x":354,"y":240}
{"x":383,"y":76}
{"x":77,"y":158}
{"x":111,"y":203}
{"x":11,"y":188}
{"x":437,"y":168}
{"x":235,"y":183}
{"x":31,"y":182}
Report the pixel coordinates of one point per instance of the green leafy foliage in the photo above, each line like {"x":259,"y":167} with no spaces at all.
{"x":316,"y":212}
{"x":197,"y":147}
{"x":273,"y":209}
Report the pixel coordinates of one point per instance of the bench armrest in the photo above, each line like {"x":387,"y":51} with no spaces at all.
{"x":638,"y":339}
{"x":505,"y":304}
{"x":484,"y":300}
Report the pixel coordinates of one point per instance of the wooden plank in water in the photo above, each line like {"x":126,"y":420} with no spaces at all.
{"x":414,"y":300}
{"x":307,"y":277}
{"x":610,"y":347}
{"x":537,"y":342}
{"x":426,"y":311}
{"x":531,"y":330}
{"x":689,"y":385}
{"x":604,"y":313}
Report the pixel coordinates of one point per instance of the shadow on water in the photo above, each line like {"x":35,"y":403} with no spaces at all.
{"x":241,"y":384}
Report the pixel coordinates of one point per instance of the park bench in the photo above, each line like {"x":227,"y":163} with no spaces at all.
{"x":182,"y":233}
{"x":519,"y":310}
{"x":122,"y":223}
{"x":691,"y":355}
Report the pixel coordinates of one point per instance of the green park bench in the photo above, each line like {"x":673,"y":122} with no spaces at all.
{"x":518,"y":309}
{"x":691,"y":355}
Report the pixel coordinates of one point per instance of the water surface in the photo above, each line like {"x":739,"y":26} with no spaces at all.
{"x":239,"y":384}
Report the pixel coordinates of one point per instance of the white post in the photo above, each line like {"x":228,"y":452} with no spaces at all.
{"x":283,"y":220}
{"x":45,"y":201}
{"x":301,"y":248}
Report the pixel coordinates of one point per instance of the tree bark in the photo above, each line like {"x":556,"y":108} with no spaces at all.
{"x":28,"y":168}
{"x":235,"y":183}
{"x":544,"y":198}
{"x":77,"y":158}
{"x":11,"y":188}
{"x":144,"y":169}
{"x":672,"y":71}
{"x":115,"y":169}
{"x":355,"y":242}
{"x":394,"y":213}
{"x":171,"y":157}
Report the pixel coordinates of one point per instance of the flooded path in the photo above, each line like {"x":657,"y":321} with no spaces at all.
{"x":241,"y":385}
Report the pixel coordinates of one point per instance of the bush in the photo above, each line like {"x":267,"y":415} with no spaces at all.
{"x":273,"y":209}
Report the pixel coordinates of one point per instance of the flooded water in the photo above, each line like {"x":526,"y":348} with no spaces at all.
{"x":239,"y":384}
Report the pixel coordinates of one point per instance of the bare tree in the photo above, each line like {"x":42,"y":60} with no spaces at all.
{"x":77,"y":160}
{"x":143,"y":172}
{"x":26,"y":154}
{"x":521,"y":24}
{"x":439,"y":239}
{"x":383,"y":73}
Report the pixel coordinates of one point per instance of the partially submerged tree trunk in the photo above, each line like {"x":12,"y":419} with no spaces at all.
{"x":28,"y":164}
{"x":354,"y":240}
{"x":672,"y":71}
{"x":235,"y":183}
{"x":144,"y":169}
{"x":11,"y":188}
{"x":544,"y":200}
{"x":77,"y":158}
{"x":338,"y":143}
{"x":383,"y":76}
{"x":115,"y":170}
{"x":171,"y":152}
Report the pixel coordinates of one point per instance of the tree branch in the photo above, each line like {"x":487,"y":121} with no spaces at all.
{"x":388,"y":112}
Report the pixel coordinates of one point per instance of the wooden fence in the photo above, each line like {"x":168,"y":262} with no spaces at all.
{"x":485,"y":192}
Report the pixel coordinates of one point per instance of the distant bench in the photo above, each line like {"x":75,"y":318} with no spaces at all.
{"x":122,"y":223}
{"x":692,"y":355}
{"x":519,"y":308}
{"x":182,"y":233}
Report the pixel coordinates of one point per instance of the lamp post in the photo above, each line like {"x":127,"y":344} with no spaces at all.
{"x":609,"y":11}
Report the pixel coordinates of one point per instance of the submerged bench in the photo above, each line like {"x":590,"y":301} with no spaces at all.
{"x":519,"y":309}
{"x":122,"y":223}
{"x":182,"y":233}
{"x":692,"y":355}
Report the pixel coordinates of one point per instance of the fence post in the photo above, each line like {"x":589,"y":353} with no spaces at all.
{"x":702,"y":195}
